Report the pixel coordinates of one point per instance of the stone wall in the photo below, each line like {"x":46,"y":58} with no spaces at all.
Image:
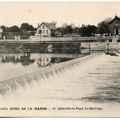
{"x":94,"y":46}
{"x":100,"y":45}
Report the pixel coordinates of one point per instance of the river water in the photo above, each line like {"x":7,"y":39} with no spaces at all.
{"x":91,"y":88}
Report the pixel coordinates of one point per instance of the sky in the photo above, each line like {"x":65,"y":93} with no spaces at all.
{"x":16,"y":13}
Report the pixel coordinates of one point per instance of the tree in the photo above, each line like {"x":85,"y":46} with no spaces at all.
{"x":83,"y":30}
{"x":63,"y":31}
{"x":53,"y":25}
{"x":52,"y":33}
{"x":103,"y":27}
{"x":76,"y":31}
{"x":27,"y":27}
{"x":5,"y":29}
{"x":14,"y":29}
{"x":66,"y":29}
{"x":58,"y":32}
{"x":88,"y":30}
{"x":64,"y":25}
{"x":92,"y":29}
{"x":69,"y":29}
{"x":53,"y":28}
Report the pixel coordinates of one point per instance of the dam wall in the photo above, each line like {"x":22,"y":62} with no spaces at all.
{"x":8,"y":86}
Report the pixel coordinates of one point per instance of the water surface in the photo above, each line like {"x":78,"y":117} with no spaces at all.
{"x":91,"y":83}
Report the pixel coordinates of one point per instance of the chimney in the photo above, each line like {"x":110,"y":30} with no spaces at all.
{"x":38,"y":25}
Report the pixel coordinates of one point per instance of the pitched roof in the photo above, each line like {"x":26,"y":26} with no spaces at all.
{"x":116,"y":18}
{"x":48,"y":25}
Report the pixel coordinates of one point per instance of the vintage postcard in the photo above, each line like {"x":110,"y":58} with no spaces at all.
{"x":59,"y":59}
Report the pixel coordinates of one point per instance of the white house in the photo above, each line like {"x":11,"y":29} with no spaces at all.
{"x":44,"y":29}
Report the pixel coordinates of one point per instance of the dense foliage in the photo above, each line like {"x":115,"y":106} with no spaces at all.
{"x":24,"y":27}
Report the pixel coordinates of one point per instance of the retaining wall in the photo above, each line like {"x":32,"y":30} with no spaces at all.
{"x":101,"y":45}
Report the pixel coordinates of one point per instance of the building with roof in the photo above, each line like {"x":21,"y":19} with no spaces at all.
{"x":1,"y":32}
{"x":44,"y":29}
{"x":114,"y":28}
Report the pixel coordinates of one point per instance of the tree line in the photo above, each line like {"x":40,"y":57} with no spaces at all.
{"x":65,"y":29}
{"x":71,"y":30}
{"x":23,"y":28}
{"x":85,"y":30}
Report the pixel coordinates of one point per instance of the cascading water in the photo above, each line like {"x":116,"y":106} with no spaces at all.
{"x":44,"y":74}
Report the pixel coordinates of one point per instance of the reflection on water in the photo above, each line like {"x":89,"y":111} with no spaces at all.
{"x":25,"y":62}
{"x":24,"y":59}
{"x":42,"y":60}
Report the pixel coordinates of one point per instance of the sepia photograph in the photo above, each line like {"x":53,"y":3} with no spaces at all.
{"x":60,"y":59}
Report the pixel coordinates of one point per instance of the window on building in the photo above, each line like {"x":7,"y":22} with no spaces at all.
{"x":43,"y":31}
{"x":117,"y":23}
{"x":47,"y":59}
{"x":40,"y":31}
{"x":46,"y":31}
{"x":43,"y":26}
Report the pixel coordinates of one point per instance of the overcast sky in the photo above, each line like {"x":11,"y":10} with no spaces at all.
{"x":15,"y":13}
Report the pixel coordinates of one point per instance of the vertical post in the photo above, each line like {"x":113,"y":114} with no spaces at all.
{"x":107,"y":47}
{"x":4,"y":57}
{"x":15,"y":37}
{"x":31,"y":37}
{"x":3,"y":37}
{"x":15,"y":57}
{"x":89,"y":48}
{"x":19,"y":37}
{"x":19,"y":56}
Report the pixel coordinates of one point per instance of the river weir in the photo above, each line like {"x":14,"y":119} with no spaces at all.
{"x":35,"y":77}
{"x":83,"y":84}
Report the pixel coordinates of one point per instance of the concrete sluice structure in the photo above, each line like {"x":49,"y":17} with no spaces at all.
{"x":35,"y":78}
